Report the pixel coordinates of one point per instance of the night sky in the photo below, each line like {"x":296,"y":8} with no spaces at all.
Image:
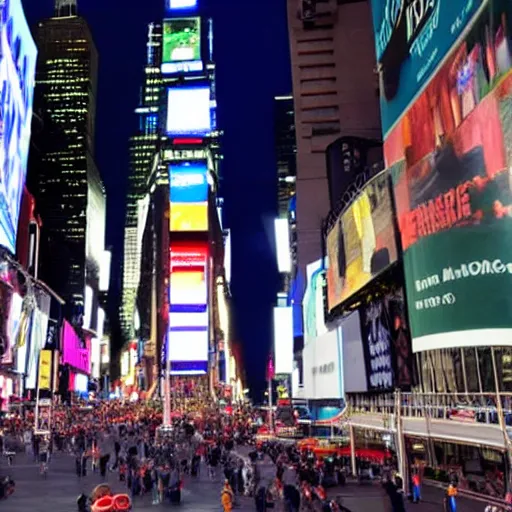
{"x":252,"y":56}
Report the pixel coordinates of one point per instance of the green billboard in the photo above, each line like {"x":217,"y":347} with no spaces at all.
{"x":450,"y":155}
{"x":181,"y":40}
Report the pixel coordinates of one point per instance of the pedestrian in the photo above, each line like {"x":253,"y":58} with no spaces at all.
{"x":416,"y":487}
{"x":227,"y":497}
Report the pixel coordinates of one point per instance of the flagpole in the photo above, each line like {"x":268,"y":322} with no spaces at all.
{"x":270,"y":411}
{"x":270,"y":376}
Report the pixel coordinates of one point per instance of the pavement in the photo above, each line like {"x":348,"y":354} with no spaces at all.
{"x":58,"y":492}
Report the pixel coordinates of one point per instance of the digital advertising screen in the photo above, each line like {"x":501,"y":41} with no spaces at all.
{"x":188,"y":315}
{"x":175,"y":5}
{"x":188,"y":287}
{"x":18,"y":56}
{"x":410,"y":42}
{"x":188,"y":279}
{"x":323,"y":367}
{"x":188,"y":182}
{"x":181,"y":47}
{"x":188,"y":111}
{"x":313,"y":302}
{"x":283,"y":340}
{"x":188,"y":346}
{"x":362,"y":243}
{"x":450,"y":156}
{"x":189,"y":217}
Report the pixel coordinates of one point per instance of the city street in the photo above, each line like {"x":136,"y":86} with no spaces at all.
{"x":59,"y":491}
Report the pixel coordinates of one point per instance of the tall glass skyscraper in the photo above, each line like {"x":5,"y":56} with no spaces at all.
{"x":143,"y":146}
{"x":67,"y":185}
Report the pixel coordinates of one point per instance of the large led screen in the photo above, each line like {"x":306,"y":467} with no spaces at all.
{"x":188,"y":314}
{"x":451,"y":155}
{"x":188,"y":111}
{"x":189,"y":217}
{"x":189,"y":182}
{"x":181,"y":50}
{"x":412,"y":38}
{"x":362,"y":243}
{"x":188,"y":345}
{"x":181,"y":4}
{"x":18,"y":55}
{"x":188,"y":287}
{"x":283,"y":340}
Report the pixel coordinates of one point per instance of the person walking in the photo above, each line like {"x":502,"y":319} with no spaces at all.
{"x":227,"y":497}
{"x":416,"y":487}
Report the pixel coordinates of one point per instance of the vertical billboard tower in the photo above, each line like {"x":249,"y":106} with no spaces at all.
{"x":189,"y":156}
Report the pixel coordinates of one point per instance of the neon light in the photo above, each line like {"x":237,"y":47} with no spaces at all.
{"x":187,"y":142}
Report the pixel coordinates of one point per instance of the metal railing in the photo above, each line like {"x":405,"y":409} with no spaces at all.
{"x":477,"y":407}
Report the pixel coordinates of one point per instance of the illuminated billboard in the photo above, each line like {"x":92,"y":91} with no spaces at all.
{"x":181,"y":47}
{"x":283,"y":340}
{"x":313,"y":301}
{"x":188,"y":111}
{"x":362,"y":243}
{"x":282,"y":233}
{"x":450,"y":157}
{"x":181,"y":4}
{"x":188,"y":312}
{"x":188,"y":182}
{"x":189,"y":217}
{"x":188,"y":287}
{"x":411,"y":39}
{"x":18,"y":55}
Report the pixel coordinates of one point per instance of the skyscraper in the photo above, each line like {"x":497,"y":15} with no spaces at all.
{"x":143,"y":146}
{"x":286,"y":163}
{"x":335,"y":95}
{"x":67,"y":185}
{"x":286,"y":152}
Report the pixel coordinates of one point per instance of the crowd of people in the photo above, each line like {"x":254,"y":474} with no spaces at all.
{"x":125,"y":441}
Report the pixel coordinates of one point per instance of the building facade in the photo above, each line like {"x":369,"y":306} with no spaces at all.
{"x":69,"y":192}
{"x":142,"y":146}
{"x":335,"y":91}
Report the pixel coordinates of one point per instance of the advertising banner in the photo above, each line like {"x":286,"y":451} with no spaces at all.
{"x":189,"y":217}
{"x":323,"y":369}
{"x":181,"y":49}
{"x":189,"y":111}
{"x":362,"y":243}
{"x":45,"y":370}
{"x":18,"y":55}
{"x":386,"y":343}
{"x":450,"y":156}
{"x":181,"y":4}
{"x":74,"y":353}
{"x":411,"y":38}
{"x":188,"y":182}
{"x":283,"y":340}
{"x":188,"y":335}
{"x":313,"y":302}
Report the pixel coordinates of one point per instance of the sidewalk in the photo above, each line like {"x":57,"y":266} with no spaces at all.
{"x":370,"y":498}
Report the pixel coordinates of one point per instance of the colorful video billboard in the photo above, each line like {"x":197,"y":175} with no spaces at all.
{"x":188,"y":111}
{"x":450,"y":156}
{"x":411,"y":39}
{"x":174,"y":5}
{"x":18,"y":55}
{"x":188,"y":337}
{"x":362,"y":243}
{"x":181,"y":47}
{"x":189,"y":182}
{"x":188,"y":196}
